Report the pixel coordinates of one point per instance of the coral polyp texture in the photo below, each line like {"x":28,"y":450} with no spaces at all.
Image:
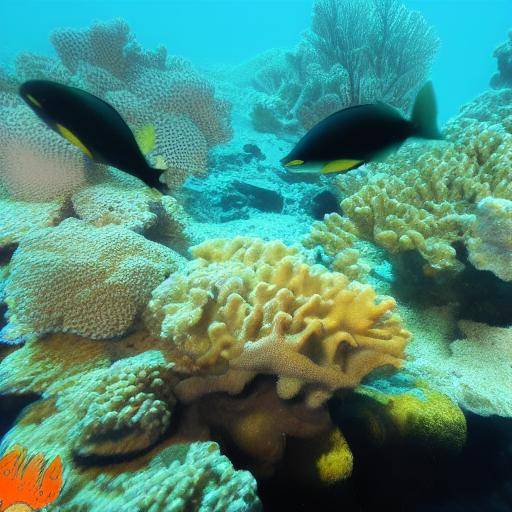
{"x":83,"y":279}
{"x":148,"y":88}
{"x":36,"y":164}
{"x":423,"y":199}
{"x":395,"y":47}
{"x":245,"y":307}
{"x":117,"y":412}
{"x":490,"y":246}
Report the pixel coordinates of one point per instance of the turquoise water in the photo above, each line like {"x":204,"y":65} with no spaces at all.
{"x":269,"y":268}
{"x":211,"y":32}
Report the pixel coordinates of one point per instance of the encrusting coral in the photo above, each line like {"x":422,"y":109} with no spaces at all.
{"x":79,"y":278}
{"x":473,"y":370}
{"x":245,"y":307}
{"x":490,"y":244}
{"x":395,"y":47}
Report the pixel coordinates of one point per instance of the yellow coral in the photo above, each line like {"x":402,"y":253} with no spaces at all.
{"x":424,"y":417}
{"x":246,"y":307}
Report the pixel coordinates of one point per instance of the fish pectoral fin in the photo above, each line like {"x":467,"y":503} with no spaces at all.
{"x":146,"y":137}
{"x":71,"y":137}
{"x":341,"y":166}
{"x":294,"y":163}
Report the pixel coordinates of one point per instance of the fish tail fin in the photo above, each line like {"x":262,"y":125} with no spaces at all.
{"x":424,"y":114}
{"x":152,"y":179}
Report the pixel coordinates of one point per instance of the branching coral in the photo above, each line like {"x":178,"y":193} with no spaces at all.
{"x":83,"y":279}
{"x":423,"y":199}
{"x":386,"y":58}
{"x":245,"y":307}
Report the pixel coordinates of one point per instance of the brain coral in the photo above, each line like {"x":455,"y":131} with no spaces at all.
{"x":245,"y":307}
{"x":83,"y":279}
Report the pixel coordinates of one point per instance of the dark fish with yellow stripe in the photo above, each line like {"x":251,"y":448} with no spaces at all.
{"x":92,"y":125}
{"x":357,"y":135}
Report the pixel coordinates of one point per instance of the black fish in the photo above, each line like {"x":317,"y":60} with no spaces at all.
{"x":357,"y":135}
{"x":91,"y":124}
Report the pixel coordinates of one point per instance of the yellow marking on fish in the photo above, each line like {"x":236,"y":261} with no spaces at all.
{"x":145,"y":138}
{"x":33,"y":101}
{"x":160,"y":163}
{"x":71,"y":137}
{"x":340,"y":166}
{"x":294,"y":162}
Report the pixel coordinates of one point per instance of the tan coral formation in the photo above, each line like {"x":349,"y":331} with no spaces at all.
{"x":94,"y":407}
{"x":83,"y":279}
{"x":473,"y":370}
{"x":490,"y":244}
{"x":423,"y":199}
{"x":246,"y":307}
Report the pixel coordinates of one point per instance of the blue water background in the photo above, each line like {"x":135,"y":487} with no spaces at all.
{"x":210,"y":32}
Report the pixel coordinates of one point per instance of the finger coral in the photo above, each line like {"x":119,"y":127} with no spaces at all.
{"x":424,"y":199}
{"x":83,"y":279}
{"x":244,"y":307}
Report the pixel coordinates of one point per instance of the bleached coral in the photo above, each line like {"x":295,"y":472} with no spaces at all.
{"x":490,"y":245}
{"x":36,"y":164}
{"x":83,"y":279}
{"x":245,"y":307}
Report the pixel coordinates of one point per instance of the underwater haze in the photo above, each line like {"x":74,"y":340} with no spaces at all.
{"x":256,"y":255}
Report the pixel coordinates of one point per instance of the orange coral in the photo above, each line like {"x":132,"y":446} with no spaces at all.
{"x":23,"y":480}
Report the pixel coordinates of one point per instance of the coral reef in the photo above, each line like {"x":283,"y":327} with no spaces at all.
{"x":473,"y":370}
{"x":423,"y":199}
{"x":275,"y":314}
{"x":146,"y":87}
{"x":83,"y":279}
{"x":503,"y":54}
{"x":36,"y":164}
{"x":490,"y":246}
{"x":335,"y":66}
